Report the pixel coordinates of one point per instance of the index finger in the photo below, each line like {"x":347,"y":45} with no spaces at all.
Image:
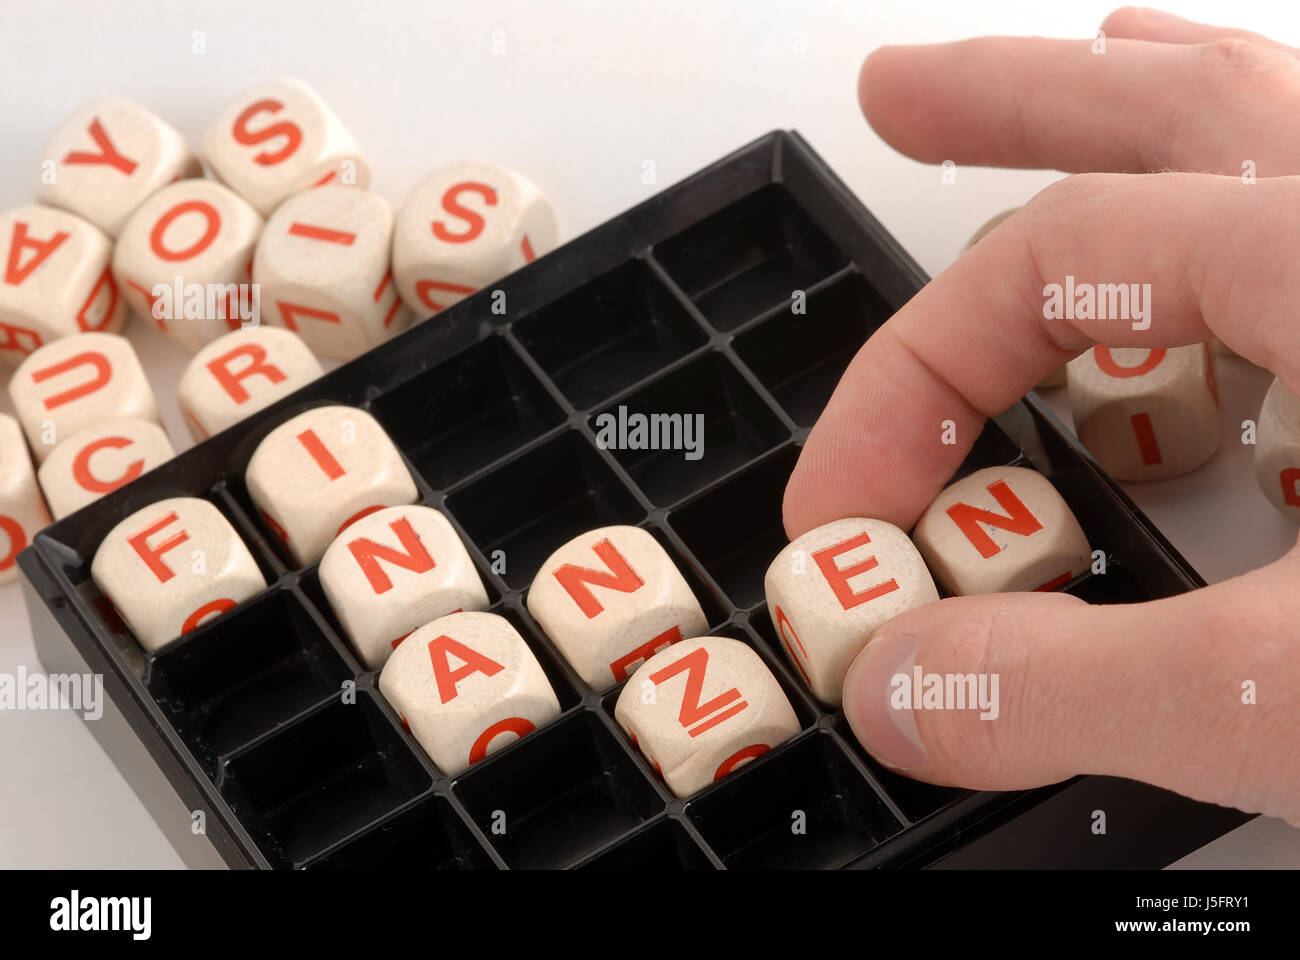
{"x":972,"y":342}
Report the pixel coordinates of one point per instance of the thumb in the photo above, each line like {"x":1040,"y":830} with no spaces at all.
{"x":1198,"y":693}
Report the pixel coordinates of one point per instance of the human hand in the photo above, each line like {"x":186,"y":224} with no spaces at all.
{"x":1150,"y":691}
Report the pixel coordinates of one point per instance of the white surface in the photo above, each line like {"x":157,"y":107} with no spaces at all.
{"x":580,"y":98}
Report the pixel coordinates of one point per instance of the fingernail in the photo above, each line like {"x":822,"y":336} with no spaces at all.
{"x":888,"y":732}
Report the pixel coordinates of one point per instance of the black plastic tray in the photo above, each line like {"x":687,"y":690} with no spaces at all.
{"x":679,"y":305}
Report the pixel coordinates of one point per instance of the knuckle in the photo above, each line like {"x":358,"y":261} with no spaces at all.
{"x":1232,"y":60}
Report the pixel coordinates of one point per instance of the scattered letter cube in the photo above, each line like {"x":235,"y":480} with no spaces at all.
{"x":240,"y":373}
{"x":172,"y":566}
{"x":107,"y":157}
{"x":702,"y":708}
{"x":610,"y":599}
{"x":278,"y":138}
{"x":98,"y":460}
{"x":1146,"y":414}
{"x":1277,"y":449}
{"x":829,"y":589}
{"x":467,"y":685}
{"x":183,"y":262}
{"x":394,"y":571}
{"x":463,"y":227}
{"x":22,"y":511}
{"x":57,"y":280}
{"x":322,"y":470}
{"x":77,"y":382}
{"x":323,"y":267}
{"x":999,"y":530}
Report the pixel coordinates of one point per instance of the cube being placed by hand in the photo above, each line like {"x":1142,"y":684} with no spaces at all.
{"x":323,"y":267}
{"x":278,"y":138}
{"x":184,"y":259}
{"x":393,"y":571}
{"x":463,"y":227}
{"x":830,"y":588}
{"x":1146,"y":414}
{"x":315,"y":474}
{"x":57,"y":280}
{"x":467,"y":685}
{"x":703,"y":708}
{"x":107,"y":158}
{"x":98,"y":460}
{"x":999,"y":530}
{"x":240,"y":373}
{"x":1277,"y":449}
{"x":172,"y":566}
{"x":75,"y":383}
{"x":22,"y":511}
{"x":610,"y":599}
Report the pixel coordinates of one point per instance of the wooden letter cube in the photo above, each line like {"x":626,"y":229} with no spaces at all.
{"x":1000,"y":530}
{"x":278,"y":138}
{"x":829,"y":589}
{"x":75,"y":383}
{"x":1146,"y":414}
{"x":610,"y":599}
{"x":240,"y":373}
{"x":56,"y":280}
{"x":323,"y":267}
{"x":184,"y":260}
{"x":108,"y":157}
{"x":702,"y":708}
{"x":172,"y":566}
{"x":393,"y":571}
{"x":22,"y":511}
{"x":317,"y":473}
{"x":467,"y":685}
{"x":1277,"y":449}
{"x":98,"y":460}
{"x":463,"y":227}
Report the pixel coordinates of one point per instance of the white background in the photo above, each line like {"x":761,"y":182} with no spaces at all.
{"x":582,"y":96}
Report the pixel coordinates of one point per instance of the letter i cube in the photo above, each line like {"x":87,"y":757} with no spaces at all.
{"x":276,"y":139}
{"x":75,"y":383}
{"x":467,"y":685}
{"x":323,"y":268}
{"x":1146,"y":414}
{"x":22,"y":511}
{"x":830,"y":588}
{"x":317,"y":473}
{"x":108,"y":157}
{"x":1277,"y":449}
{"x":184,"y":260}
{"x":610,"y":599}
{"x":240,"y":373}
{"x":172,"y":566}
{"x":1001,"y":529}
{"x":464,"y":226}
{"x":56,"y":282}
{"x":393,"y":571}
{"x":703,"y":708}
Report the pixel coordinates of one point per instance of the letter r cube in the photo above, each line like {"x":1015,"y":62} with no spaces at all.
{"x":830,"y":588}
